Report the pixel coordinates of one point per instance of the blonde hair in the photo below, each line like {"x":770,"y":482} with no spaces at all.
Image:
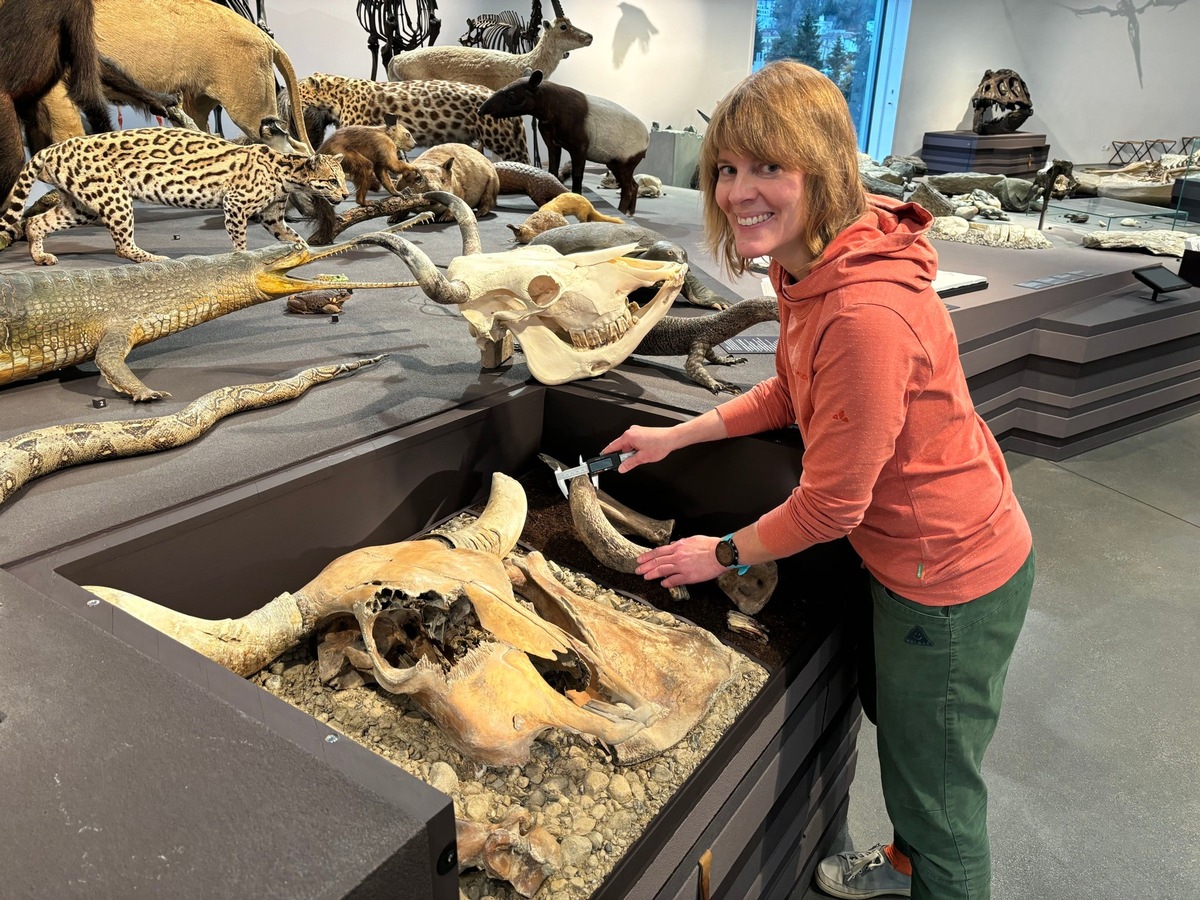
{"x":791,"y":115}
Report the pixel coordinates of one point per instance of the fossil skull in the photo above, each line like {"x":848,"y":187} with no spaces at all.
{"x":1001,"y":103}
{"x":437,"y":620}
{"x":573,"y":314}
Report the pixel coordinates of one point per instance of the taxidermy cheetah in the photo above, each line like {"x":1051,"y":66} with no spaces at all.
{"x":100,"y":175}
{"x":371,"y":155}
{"x":434,"y":112}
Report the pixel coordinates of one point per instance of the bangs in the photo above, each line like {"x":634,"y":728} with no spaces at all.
{"x":753,"y":128}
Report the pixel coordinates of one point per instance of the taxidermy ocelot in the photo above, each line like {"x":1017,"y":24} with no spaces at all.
{"x":99,"y":176}
{"x":589,"y":128}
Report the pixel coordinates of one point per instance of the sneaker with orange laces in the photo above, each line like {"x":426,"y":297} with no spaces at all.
{"x":878,"y":872}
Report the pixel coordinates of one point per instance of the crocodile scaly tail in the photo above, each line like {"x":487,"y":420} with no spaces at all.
{"x":44,"y":450}
{"x":11,"y":226}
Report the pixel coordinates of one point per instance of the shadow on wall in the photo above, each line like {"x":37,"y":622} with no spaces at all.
{"x":634,"y":25}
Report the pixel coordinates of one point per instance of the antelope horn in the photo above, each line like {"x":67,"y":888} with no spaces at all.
{"x":437,"y":287}
{"x":468,"y":226}
{"x":499,"y":526}
{"x":558,"y":11}
{"x":244,"y":645}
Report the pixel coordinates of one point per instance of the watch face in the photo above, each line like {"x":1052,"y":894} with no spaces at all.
{"x":726,"y":554}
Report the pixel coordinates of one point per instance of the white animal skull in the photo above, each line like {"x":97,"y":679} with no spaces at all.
{"x":572,"y":314}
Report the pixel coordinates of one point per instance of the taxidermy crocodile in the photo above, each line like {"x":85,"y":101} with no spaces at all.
{"x":50,"y":320}
{"x":696,"y":336}
{"x":44,"y":450}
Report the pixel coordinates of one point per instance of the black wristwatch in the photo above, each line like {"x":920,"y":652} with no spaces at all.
{"x":727,"y":552}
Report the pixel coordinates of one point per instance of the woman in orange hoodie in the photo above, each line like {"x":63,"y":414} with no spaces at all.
{"x":895,"y":458}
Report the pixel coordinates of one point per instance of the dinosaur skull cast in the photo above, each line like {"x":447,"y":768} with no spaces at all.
{"x":1001,"y":103}
{"x":574,"y":314}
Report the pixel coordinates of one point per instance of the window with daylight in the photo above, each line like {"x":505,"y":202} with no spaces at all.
{"x":857,"y":43}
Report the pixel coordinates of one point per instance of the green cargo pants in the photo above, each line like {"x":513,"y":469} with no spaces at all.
{"x":939,"y":678}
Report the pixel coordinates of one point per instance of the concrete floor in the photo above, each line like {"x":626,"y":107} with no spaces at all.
{"x":1093,"y":772}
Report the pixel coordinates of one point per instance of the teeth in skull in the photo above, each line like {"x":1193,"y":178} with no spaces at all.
{"x":602,"y":334}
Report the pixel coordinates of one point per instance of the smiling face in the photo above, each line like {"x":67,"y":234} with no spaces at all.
{"x":764,"y":204}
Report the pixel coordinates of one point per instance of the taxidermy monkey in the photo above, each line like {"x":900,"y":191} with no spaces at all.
{"x":39,"y":44}
{"x":371,"y":154}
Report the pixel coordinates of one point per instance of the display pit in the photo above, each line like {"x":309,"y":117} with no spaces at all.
{"x":754,"y":792}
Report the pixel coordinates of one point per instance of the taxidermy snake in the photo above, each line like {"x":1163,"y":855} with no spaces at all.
{"x":44,"y":450}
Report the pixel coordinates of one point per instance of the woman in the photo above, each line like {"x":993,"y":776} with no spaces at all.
{"x":895,"y":457}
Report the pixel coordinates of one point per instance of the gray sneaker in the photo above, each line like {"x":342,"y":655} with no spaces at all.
{"x":854,"y":875}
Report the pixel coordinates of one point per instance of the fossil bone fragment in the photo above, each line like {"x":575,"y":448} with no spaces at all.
{"x":590,"y":514}
{"x":513,"y":850}
{"x":681,"y":667}
{"x":629,"y":521}
{"x":743,"y":624}
{"x":572,"y":313}
{"x":751,"y":590}
{"x":603,"y":541}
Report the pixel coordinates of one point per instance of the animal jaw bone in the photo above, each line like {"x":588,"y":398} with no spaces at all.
{"x":682,"y":668}
{"x":1001,"y":103}
{"x":571,"y":313}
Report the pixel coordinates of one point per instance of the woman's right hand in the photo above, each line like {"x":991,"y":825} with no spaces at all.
{"x":647,"y":445}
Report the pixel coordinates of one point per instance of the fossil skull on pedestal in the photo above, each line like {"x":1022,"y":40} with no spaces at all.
{"x":1001,"y":103}
{"x":573,"y":314}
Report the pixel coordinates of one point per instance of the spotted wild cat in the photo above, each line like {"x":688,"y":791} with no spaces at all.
{"x":100,"y":175}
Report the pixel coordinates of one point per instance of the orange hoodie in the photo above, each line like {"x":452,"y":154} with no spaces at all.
{"x":895,"y":455}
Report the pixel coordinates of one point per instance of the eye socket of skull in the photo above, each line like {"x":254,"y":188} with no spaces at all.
{"x":543,"y":290}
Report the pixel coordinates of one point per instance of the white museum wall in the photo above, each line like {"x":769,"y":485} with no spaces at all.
{"x":1080,"y":71}
{"x":661,"y":60}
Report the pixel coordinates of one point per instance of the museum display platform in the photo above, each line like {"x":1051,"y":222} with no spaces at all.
{"x":1017,"y":154}
{"x":134,"y":765}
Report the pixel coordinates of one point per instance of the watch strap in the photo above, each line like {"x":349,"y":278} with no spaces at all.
{"x":741,"y":570}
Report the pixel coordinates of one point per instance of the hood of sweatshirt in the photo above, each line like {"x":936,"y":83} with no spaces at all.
{"x":887,"y":243}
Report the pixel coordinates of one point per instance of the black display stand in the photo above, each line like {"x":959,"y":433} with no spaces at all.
{"x":1018,"y":154}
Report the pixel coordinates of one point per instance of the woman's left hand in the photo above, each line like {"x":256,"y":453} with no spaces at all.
{"x":685,"y":561}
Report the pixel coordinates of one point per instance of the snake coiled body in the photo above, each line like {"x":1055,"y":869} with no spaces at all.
{"x":44,"y":450}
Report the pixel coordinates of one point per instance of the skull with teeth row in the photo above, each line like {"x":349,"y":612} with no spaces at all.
{"x":572,"y":313}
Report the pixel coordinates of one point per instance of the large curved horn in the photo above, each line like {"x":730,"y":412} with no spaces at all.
{"x":467,"y":224}
{"x":435,"y":285}
{"x":244,"y":645}
{"x":498,"y":528}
